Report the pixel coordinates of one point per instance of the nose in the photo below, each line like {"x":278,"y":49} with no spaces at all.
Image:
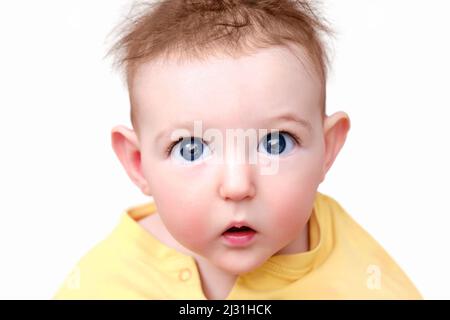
{"x":237,"y":181}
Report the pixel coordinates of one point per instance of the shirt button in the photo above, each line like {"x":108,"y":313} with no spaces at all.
{"x":185,"y":274}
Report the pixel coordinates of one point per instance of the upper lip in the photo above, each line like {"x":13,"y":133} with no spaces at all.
{"x":239,"y":224}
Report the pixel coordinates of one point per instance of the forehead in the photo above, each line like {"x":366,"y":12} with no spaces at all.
{"x":237,"y":89}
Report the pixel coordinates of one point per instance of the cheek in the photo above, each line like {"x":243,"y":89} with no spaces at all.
{"x":185,"y":215}
{"x":290,"y":198}
{"x":291,"y":212}
{"x":182,"y":202}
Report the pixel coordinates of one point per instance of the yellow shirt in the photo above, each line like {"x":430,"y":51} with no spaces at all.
{"x":344,"y":262}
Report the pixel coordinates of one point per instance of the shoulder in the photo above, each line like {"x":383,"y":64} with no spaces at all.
{"x":109,"y":270}
{"x":89,"y":278}
{"x":359,"y":262}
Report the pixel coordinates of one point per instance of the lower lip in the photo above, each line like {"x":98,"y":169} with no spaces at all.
{"x":239,"y":239}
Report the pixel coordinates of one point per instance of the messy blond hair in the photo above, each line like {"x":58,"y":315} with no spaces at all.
{"x":198,"y":29}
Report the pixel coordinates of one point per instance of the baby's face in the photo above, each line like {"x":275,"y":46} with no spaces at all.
{"x":197,"y":194}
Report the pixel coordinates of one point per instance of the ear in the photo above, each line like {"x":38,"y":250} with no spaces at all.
{"x":126,"y":146}
{"x":335,"y":130}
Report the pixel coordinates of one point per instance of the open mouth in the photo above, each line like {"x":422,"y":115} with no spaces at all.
{"x":242,"y":231}
{"x":239,"y":236}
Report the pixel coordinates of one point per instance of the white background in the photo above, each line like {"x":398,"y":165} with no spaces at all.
{"x":62,"y":188}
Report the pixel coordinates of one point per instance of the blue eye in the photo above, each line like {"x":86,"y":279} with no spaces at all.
{"x":276,"y":143}
{"x":190,"y":149}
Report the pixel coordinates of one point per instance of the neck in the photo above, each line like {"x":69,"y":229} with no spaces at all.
{"x":216,"y":283}
{"x":300,"y":244}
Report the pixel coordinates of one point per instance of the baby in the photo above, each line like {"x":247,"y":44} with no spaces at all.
{"x":231,"y":220}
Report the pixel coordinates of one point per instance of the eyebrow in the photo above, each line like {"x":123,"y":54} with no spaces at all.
{"x":288,"y":117}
